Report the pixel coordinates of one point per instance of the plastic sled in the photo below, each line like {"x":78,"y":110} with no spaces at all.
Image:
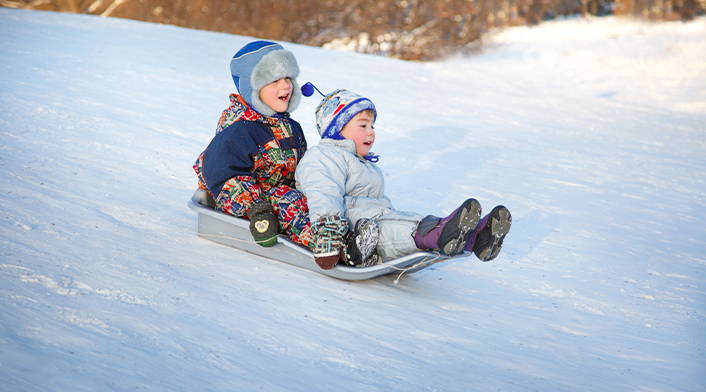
{"x":233,"y":231}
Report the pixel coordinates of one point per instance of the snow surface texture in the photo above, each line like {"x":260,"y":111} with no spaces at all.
{"x":592,"y":132}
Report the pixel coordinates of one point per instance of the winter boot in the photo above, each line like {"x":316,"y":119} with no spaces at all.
{"x":361,"y":243}
{"x":448,"y":234}
{"x":487,"y":239}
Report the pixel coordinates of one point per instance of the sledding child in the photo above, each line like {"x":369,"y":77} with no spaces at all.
{"x":346,"y":198}
{"x":249,"y":165}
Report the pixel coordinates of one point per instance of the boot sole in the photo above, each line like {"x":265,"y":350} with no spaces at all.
{"x":499,"y":227}
{"x":453,"y":236}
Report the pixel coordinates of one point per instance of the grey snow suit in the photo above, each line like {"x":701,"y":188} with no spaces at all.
{"x":336,"y":181}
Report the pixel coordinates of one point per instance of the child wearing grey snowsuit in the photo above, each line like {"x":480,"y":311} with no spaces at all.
{"x":345,"y":193}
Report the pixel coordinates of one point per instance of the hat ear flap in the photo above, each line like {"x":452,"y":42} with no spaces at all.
{"x":260,"y":106}
{"x":296,"y":97}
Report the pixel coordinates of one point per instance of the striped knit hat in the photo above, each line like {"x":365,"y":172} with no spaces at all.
{"x":337,"y":109}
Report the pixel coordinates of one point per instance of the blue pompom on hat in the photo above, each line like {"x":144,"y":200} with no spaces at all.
{"x":337,"y":109}
{"x":260,"y":63}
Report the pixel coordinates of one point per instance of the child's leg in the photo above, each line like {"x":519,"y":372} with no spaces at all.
{"x":293,"y":213}
{"x":487,"y":238}
{"x":396,"y":234}
{"x":237,"y":196}
{"x":449,"y":234}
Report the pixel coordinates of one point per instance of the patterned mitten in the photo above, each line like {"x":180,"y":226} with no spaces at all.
{"x":327,"y":240}
{"x":264,"y":225}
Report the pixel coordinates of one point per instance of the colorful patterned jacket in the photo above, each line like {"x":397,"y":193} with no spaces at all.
{"x":250,"y":155}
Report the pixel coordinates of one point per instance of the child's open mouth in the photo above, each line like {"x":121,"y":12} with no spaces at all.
{"x":284,"y":97}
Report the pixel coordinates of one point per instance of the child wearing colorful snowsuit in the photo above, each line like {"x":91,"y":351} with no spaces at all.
{"x":249,"y":165}
{"x":345,"y":193}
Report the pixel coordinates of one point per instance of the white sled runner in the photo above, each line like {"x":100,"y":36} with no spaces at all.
{"x":232,"y":231}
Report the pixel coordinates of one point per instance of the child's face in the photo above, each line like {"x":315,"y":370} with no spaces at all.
{"x":360,"y":130}
{"x":276,"y":95}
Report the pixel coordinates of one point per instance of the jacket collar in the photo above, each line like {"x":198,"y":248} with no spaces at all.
{"x":346,"y":144}
{"x":245,"y":112}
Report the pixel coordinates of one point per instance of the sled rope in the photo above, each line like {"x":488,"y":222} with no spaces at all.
{"x":427,"y":260}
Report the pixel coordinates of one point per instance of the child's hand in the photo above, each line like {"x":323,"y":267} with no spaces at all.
{"x":264,"y":225}
{"x":327,"y":235}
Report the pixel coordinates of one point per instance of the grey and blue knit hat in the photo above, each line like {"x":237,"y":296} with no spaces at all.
{"x":337,"y":109}
{"x":260,"y":63}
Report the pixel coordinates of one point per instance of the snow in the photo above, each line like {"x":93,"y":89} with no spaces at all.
{"x":592,"y":132}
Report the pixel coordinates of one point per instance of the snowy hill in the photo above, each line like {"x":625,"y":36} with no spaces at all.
{"x":593,"y":133}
